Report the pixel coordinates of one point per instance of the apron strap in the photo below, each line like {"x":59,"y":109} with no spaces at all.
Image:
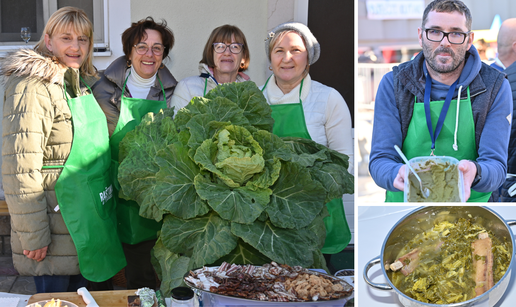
{"x":300,"y":88}
{"x":206,"y":77}
{"x":444,"y":110}
{"x":161,"y":84}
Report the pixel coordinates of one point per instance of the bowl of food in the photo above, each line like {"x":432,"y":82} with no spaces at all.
{"x":447,"y":256}
{"x":440,"y":174}
{"x":52,"y":303}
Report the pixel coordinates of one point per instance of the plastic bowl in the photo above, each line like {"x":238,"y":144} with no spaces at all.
{"x":440,"y":174}
{"x":63,"y":303}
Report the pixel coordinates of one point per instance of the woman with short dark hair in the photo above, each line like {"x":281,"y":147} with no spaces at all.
{"x":225,"y":58}
{"x":132,"y":86}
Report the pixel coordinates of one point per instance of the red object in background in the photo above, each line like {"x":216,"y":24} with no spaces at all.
{"x":389,"y":55}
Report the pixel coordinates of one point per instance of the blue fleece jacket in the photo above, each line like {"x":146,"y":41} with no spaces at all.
{"x":492,"y":153}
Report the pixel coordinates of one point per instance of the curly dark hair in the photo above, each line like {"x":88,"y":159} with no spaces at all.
{"x":136,"y":33}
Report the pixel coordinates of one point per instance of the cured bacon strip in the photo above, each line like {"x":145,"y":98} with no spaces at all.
{"x":482,"y":263}
{"x":407,"y":263}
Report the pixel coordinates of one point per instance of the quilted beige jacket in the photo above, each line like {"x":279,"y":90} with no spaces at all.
{"x":37,"y":131}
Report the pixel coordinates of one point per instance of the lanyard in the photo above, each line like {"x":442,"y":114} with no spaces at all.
{"x":300,"y":87}
{"x":444,"y":110}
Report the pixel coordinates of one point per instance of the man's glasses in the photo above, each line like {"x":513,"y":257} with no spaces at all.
{"x":456,"y":38}
{"x":142,"y":48}
{"x":234,"y":48}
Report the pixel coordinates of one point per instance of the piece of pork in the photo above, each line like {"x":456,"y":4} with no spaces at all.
{"x":407,"y":263}
{"x":483,"y":263}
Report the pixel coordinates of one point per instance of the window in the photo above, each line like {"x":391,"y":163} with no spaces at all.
{"x":34,"y":14}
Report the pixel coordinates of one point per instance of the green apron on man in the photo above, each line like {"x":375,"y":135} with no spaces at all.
{"x":418,"y":141}
{"x":132,"y":228}
{"x":84,"y":192}
{"x":289,"y":121}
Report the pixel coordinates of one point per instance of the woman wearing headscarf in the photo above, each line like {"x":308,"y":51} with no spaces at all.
{"x":132,"y":86}
{"x":55,"y":174}
{"x":302,"y":107}
{"x":225,"y":58}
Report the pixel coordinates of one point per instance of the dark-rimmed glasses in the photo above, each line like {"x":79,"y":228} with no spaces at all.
{"x":142,"y":48}
{"x":234,"y":48}
{"x":456,"y":38}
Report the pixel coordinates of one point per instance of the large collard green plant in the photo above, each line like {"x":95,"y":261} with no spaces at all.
{"x":226,"y":188}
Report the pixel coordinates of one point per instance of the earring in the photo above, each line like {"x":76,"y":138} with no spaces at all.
{"x":129,"y":63}
{"x":161,"y":66}
{"x":270,"y":68}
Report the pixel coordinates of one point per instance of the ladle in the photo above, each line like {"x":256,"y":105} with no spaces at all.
{"x":424,"y":191}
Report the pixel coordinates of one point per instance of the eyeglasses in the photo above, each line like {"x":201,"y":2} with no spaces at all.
{"x":456,"y":38}
{"x":234,"y":48}
{"x":142,"y":48}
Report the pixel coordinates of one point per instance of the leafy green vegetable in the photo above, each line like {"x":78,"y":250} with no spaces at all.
{"x":226,"y":188}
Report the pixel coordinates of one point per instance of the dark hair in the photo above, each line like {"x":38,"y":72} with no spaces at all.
{"x":448,"y":6}
{"x":136,"y":33}
{"x":223,"y":34}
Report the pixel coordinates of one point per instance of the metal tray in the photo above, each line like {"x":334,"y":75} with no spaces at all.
{"x":233,"y":300}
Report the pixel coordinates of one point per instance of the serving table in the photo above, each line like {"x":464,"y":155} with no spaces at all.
{"x":116,"y":298}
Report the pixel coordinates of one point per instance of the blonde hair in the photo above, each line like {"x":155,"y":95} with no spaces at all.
{"x":63,"y":19}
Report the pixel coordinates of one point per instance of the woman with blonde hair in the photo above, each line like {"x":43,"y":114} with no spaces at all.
{"x":302,"y":107}
{"x":55,"y":174}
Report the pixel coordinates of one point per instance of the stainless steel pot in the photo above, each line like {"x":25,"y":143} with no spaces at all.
{"x":422,"y":219}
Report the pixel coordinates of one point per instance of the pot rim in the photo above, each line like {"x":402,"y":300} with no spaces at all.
{"x":468,"y":302}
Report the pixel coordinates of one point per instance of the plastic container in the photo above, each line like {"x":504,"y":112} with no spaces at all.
{"x":182,"y":297}
{"x":440,"y":174}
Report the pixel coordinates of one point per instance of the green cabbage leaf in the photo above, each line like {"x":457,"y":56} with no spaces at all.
{"x":227,"y":188}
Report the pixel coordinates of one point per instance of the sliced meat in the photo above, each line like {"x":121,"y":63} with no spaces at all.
{"x":407,"y":263}
{"x":483,"y":263}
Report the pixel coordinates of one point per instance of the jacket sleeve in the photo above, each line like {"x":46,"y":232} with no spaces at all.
{"x":384,"y":160}
{"x":494,"y":141}
{"x":181,"y":97}
{"x":338,"y":127}
{"x":28,"y":117}
{"x":108,"y":97}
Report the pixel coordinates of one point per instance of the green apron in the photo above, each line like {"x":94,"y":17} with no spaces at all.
{"x":132,"y":228}
{"x":85,"y":193}
{"x":289,"y":120}
{"x":418,"y":140}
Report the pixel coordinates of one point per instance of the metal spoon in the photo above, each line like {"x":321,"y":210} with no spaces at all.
{"x":424,"y":191}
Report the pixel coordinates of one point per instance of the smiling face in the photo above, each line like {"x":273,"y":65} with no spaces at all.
{"x":443,"y":57}
{"x":69,"y":47}
{"x":227,"y":62}
{"x":146,"y":65}
{"x":289,"y":59}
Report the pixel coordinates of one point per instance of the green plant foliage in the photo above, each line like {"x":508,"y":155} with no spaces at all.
{"x":226,"y":188}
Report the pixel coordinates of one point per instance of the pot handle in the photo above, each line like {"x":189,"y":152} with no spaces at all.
{"x":369,"y":265}
{"x":511,"y":222}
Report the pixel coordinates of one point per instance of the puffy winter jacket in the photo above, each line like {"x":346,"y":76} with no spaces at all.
{"x":37,"y":131}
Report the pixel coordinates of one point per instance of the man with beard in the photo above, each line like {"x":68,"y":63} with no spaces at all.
{"x":416,"y":108}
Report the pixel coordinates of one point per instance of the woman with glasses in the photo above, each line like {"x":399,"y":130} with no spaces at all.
{"x":302,"y":107}
{"x":130,"y":87}
{"x":225,"y":58}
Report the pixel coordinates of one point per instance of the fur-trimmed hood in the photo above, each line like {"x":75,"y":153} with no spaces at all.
{"x":27,"y":62}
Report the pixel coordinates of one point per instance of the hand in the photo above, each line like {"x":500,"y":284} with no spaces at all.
{"x":37,"y":255}
{"x":469,"y":170}
{"x":399,"y":182}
